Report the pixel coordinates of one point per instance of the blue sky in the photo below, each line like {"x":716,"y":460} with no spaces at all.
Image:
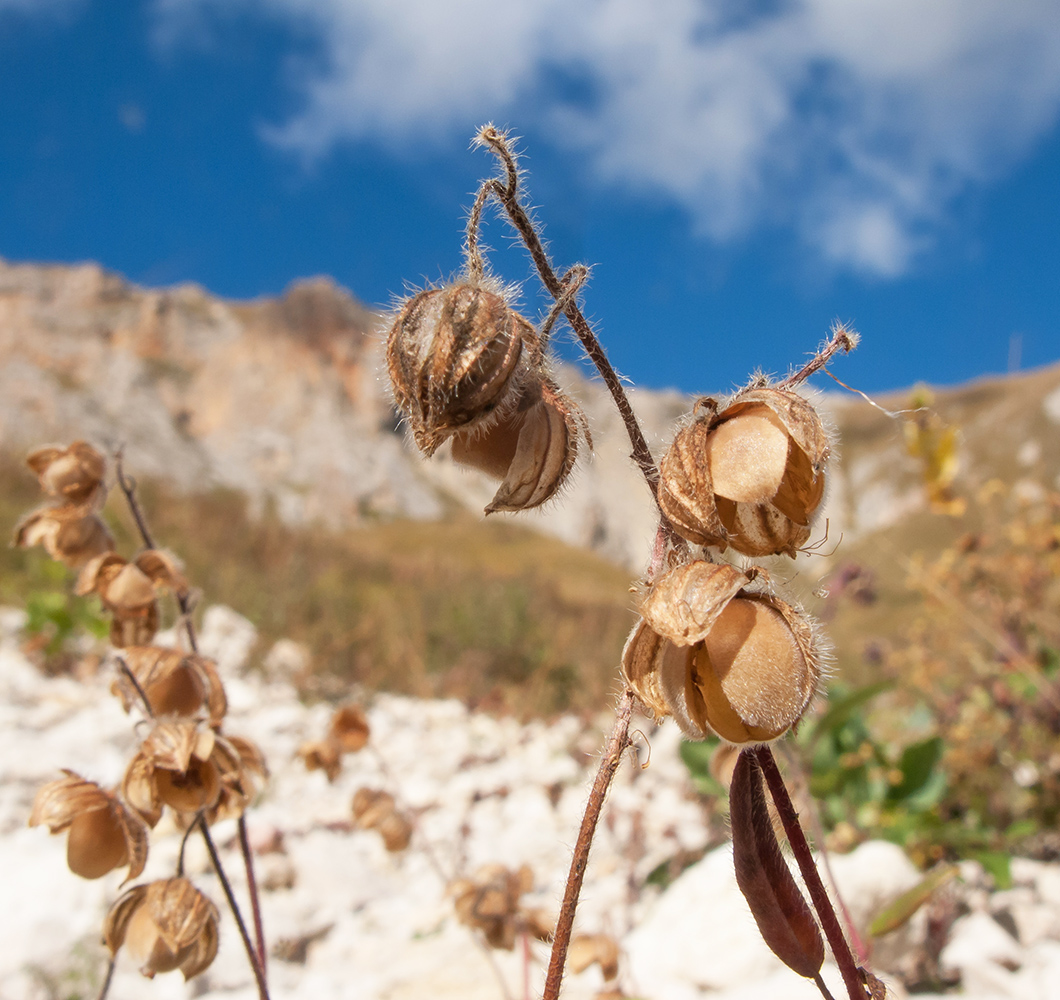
{"x":740,"y":173}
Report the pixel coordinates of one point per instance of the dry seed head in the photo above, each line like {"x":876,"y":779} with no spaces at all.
{"x":453,"y":354}
{"x":349,"y":727}
{"x":531,"y":450}
{"x":322,"y":755}
{"x":74,"y":473}
{"x":243,"y":772}
{"x":490,"y":902}
{"x":751,"y":476}
{"x":754,"y":675}
{"x":165,"y":925}
{"x":585,"y":949}
{"x":176,"y":683}
{"x":376,"y":810}
{"x":103,"y":836}
{"x":67,"y":533}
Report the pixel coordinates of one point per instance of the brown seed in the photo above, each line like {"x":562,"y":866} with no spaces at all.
{"x":453,"y":355}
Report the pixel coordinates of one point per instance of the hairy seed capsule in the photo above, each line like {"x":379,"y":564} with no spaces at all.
{"x":531,"y":450}
{"x":750,"y":477}
{"x":453,"y":356}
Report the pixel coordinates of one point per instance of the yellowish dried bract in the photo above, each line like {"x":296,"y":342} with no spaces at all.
{"x":74,"y":473}
{"x":531,"y":450}
{"x":376,"y":810}
{"x":490,"y":902}
{"x":164,"y":925}
{"x":721,"y":658}
{"x":750,"y":477}
{"x":453,"y":355}
{"x":129,"y":591}
{"x":103,"y":835}
{"x":175,"y":683}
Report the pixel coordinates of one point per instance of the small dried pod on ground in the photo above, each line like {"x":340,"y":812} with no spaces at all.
{"x":751,"y":476}
{"x":129,"y":591}
{"x":455,"y":354}
{"x":74,"y":473}
{"x":585,"y":949}
{"x":164,"y":925}
{"x":376,"y":810}
{"x":721,"y":658}
{"x":175,"y":683}
{"x":183,"y":765}
{"x":103,"y":834}
{"x":531,"y":450}
{"x":322,"y":755}
{"x":489,"y":901}
{"x":67,"y":533}
{"x":349,"y":727}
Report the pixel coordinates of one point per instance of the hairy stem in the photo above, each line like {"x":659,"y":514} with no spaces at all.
{"x":105,"y":988}
{"x":617,"y":743}
{"x":259,"y":971}
{"x":842,"y":340}
{"x":507,"y":192}
{"x":804,"y":858}
{"x":252,"y":888}
{"x":128,"y":487}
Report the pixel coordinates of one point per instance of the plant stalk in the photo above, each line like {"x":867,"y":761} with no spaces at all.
{"x":804,"y":858}
{"x":617,"y":743}
{"x":252,"y":888}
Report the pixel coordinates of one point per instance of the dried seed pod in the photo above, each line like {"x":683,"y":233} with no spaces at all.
{"x":349,"y":727}
{"x":243,"y":773}
{"x":322,"y":755}
{"x":129,"y":590}
{"x":453,"y":355}
{"x":183,"y":765}
{"x":175,"y":683}
{"x":165,"y":925}
{"x":585,"y":949}
{"x":720,"y":658}
{"x":531,"y":450}
{"x":783,"y":916}
{"x":750,"y":477}
{"x":376,"y":810}
{"x":104,"y":835}
{"x":490,"y":902}
{"x":67,"y":533}
{"x":74,"y":473}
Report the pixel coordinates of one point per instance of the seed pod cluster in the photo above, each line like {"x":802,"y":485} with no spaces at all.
{"x":347,"y":732}
{"x":374,"y":809}
{"x":466,"y":368}
{"x":490,"y":902}
{"x":715,"y":647}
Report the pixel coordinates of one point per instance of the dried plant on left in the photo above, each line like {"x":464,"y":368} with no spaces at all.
{"x":186,"y":762}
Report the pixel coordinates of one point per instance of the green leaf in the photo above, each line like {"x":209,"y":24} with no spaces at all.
{"x":841,"y":711}
{"x":898,"y":911}
{"x":998,"y":864}
{"x":918,"y":771}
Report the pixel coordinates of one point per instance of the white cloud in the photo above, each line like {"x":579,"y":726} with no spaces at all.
{"x":854,"y":121}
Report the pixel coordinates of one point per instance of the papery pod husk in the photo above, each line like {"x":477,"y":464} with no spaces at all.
{"x":98,"y":573}
{"x":640,"y":667}
{"x":66,"y":533}
{"x":241,"y":766}
{"x":758,"y":530}
{"x":103,"y":834}
{"x":169,"y":924}
{"x":532,"y":450}
{"x":756,"y":697}
{"x":322,"y":755}
{"x":349,"y":727}
{"x":176,"y":683}
{"x":783,"y":916}
{"x":684,"y":603}
{"x":162,"y":569}
{"x":75,"y":472}
{"x":452,"y":354}
{"x":370,"y":806}
{"x":134,"y":628}
{"x":396,"y":832}
{"x":796,"y":413}
{"x":139,"y":789}
{"x":686,"y":489}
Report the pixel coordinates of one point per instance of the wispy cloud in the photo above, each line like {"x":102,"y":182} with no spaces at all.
{"x":854,"y":122}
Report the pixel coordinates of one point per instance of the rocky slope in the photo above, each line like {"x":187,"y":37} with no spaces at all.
{"x":282,"y":399}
